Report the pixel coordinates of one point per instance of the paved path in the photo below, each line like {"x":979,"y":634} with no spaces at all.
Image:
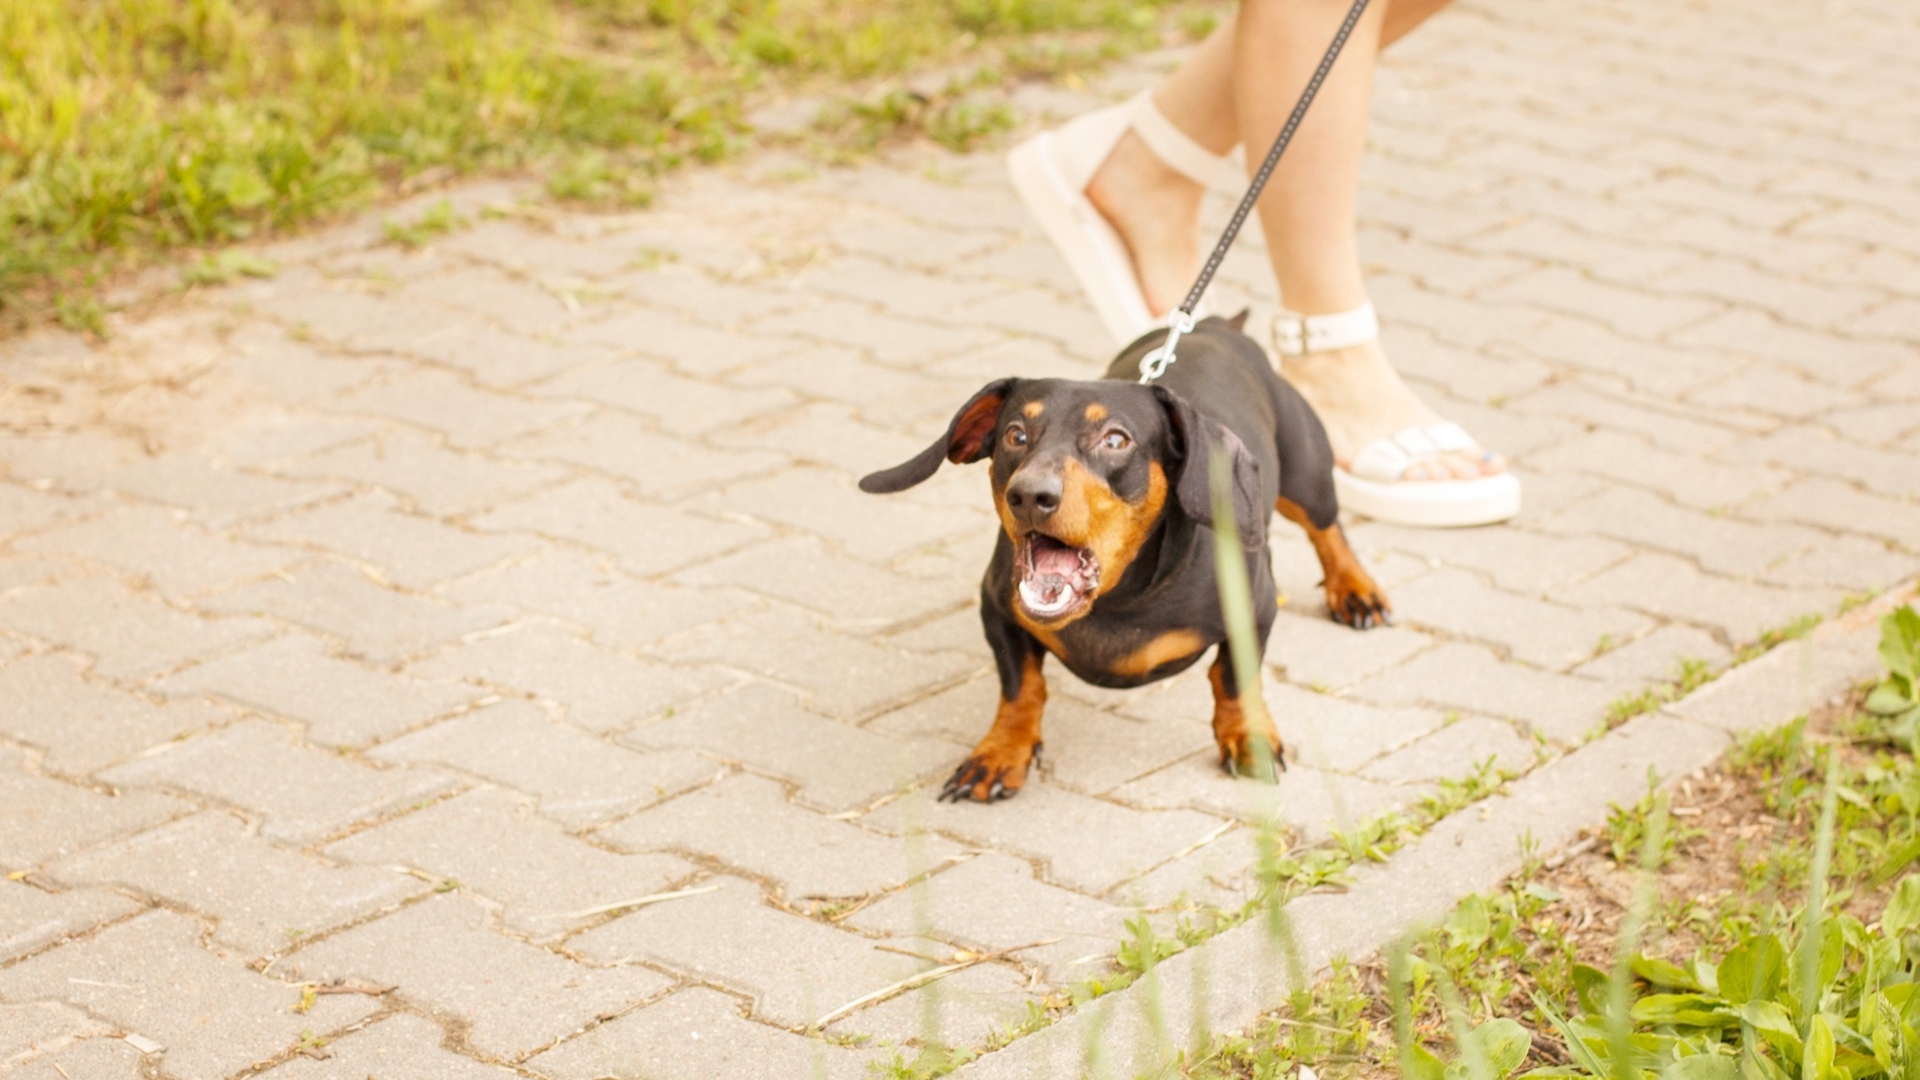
{"x":396,"y":619}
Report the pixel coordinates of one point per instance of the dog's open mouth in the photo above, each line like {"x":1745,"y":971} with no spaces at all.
{"x":1054,"y":578}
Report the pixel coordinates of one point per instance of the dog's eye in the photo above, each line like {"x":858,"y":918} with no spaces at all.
{"x":1115,"y":440}
{"x":1016,"y":436}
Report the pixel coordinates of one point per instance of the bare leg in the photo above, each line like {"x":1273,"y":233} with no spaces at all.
{"x":1238,"y":87}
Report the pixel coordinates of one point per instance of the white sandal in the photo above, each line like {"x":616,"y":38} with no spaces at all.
{"x":1051,"y":171}
{"x":1377,"y":484}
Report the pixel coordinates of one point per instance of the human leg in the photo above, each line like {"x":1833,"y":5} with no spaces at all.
{"x":1309,"y":214}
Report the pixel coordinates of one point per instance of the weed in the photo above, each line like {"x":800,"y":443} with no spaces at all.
{"x":1142,"y":948}
{"x":1777,"y":635}
{"x":1631,"y":833}
{"x":437,"y":221}
{"x":224,"y":266}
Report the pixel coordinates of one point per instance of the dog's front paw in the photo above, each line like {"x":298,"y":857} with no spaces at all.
{"x":1355,"y":600}
{"x":1241,"y":756}
{"x":997,"y":770}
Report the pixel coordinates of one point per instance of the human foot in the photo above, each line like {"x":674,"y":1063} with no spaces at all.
{"x":1156,"y":211}
{"x":1361,"y":399}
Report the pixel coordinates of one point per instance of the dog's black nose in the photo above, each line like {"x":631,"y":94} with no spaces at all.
{"x":1033,"y":497}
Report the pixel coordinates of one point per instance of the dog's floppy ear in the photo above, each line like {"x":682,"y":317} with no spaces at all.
{"x":967,"y":440}
{"x":1195,"y":442}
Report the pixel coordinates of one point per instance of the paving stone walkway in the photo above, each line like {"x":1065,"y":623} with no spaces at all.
{"x":393,"y":622}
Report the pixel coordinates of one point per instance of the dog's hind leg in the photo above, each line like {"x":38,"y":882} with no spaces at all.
{"x":1241,"y":723}
{"x":998,"y":766}
{"x":1353,"y":598}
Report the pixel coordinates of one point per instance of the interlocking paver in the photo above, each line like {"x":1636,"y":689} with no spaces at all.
{"x":805,"y":571}
{"x":746,"y":822}
{"x":1469,"y":677}
{"x":502,"y":360}
{"x":1655,"y":657}
{"x":1889,"y":472}
{"x":696,"y":349}
{"x":214,"y":495}
{"x":992,"y":902}
{"x":674,"y":403}
{"x":32,"y":918}
{"x":696,"y":1032}
{"x":1550,"y":635}
{"x":1767,"y":389}
{"x":147,"y":542}
{"x":549,"y":883}
{"x":340,"y":702}
{"x":655,"y":464}
{"x":412,"y":551}
{"x":25,"y":510}
{"x":1844,"y":361}
{"x":469,"y":418}
{"x":1850,"y":562}
{"x":649,"y":539}
{"x":376,"y":621}
{"x":42,"y":819}
{"x":96,"y":1059}
{"x":1586,"y":404}
{"x":1085,"y":844}
{"x":617,"y":611}
{"x":443,"y":956}
{"x":35,"y":1027}
{"x":516,"y":305}
{"x":1455,"y":751}
{"x":400,"y":1047}
{"x":795,"y":969}
{"x":248,"y":765}
{"x":843,"y":676}
{"x":1840,"y":506}
{"x":596,"y":689}
{"x":579,"y":779}
{"x":1720,"y":544}
{"x":80,"y":725}
{"x":131,"y":636}
{"x":1685,"y":478}
{"x":1328,"y":732}
{"x":837,"y":767}
{"x":264,"y":899}
{"x":150,"y":976}
{"x":429,"y":476}
{"x":828,"y":504}
{"x":1664,"y":586}
{"x":831,"y":434}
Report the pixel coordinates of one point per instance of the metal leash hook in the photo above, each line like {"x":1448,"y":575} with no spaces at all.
{"x":1154,"y":364}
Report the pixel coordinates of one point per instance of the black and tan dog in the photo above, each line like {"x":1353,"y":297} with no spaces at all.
{"x":1106,"y":555}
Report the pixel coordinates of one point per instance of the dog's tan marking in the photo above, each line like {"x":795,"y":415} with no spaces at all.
{"x":1008,"y":748}
{"x":1168,"y":647}
{"x":1237,"y":720}
{"x":1351,"y":591}
{"x":1032,"y":409}
{"x":1096,"y":412}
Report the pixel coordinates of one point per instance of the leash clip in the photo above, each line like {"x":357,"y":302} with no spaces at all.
{"x":1155,"y":364}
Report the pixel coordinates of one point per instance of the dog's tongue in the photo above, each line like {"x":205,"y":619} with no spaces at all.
{"x":1056,"y":562}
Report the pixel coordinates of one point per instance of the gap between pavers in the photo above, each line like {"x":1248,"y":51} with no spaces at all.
{"x":1226,"y":983}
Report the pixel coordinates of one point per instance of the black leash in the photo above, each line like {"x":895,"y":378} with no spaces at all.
{"x":1155,"y":363}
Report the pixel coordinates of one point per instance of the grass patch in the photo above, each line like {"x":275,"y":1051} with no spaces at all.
{"x":1764,"y":924}
{"x":132,"y":128}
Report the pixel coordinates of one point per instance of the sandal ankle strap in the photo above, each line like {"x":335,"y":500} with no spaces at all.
{"x":1176,"y":148}
{"x":1297,"y":335}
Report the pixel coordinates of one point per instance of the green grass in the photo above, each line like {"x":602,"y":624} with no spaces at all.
{"x":1804,"y":966}
{"x":132,"y":128}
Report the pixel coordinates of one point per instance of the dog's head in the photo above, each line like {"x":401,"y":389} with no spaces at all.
{"x":1083,"y":474}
